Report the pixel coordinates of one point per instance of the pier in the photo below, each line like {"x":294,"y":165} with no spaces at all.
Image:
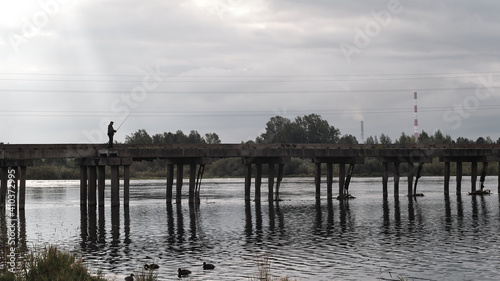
{"x":93,"y":159}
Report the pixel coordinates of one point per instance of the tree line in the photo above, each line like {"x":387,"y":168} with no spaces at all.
{"x":310,"y":128}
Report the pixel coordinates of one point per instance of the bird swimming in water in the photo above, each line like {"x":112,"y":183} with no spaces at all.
{"x":151,"y":266}
{"x":130,"y":278}
{"x":183,"y":272}
{"x":207,"y":266}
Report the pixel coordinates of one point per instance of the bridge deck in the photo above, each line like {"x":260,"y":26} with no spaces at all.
{"x":93,"y":158}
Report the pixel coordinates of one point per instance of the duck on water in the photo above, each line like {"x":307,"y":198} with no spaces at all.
{"x":183,"y":272}
{"x":152,"y":266}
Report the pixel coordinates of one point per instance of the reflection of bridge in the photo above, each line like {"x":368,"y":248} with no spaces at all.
{"x":93,"y":159}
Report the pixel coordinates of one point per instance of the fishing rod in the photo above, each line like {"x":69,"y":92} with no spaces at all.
{"x":123,"y":122}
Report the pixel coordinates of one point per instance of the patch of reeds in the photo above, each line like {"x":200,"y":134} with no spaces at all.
{"x":50,"y":264}
{"x":264,"y":270}
{"x":146,"y":275}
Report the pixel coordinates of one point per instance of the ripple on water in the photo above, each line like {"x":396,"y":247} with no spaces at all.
{"x":425,"y":239}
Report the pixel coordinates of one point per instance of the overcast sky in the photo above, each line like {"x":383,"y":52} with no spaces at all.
{"x":68,"y":67}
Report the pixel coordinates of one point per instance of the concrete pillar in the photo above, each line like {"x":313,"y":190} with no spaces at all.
{"x":170,"y":182}
{"x":459,"y":178}
{"x":385,"y":178}
{"x":22,"y":188}
{"x":101,"y":183}
{"x":396,"y":178}
{"x":126,"y":185}
{"x":92,"y":187}
{"x":279,"y":178}
{"x":83,"y":185}
{"x":473,"y":178}
{"x":317,"y":180}
{"x":329,"y":181}
{"x":248,"y":181}
{"x":180,"y":178}
{"x":446,"y":178}
{"x":258,"y":181}
{"x":341,"y":179}
{"x":192,"y":182}
{"x":410,"y":178}
{"x":270,"y":182}
{"x":115,"y":185}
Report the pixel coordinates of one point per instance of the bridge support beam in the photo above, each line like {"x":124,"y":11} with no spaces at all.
{"x":473,"y":176}
{"x":411,"y":173}
{"x":83,"y":185}
{"x":329,"y":181}
{"x":344,"y":178}
{"x":396,"y":178}
{"x":385,"y":179}
{"x":459,"y":178}
{"x":92,"y":185}
{"x":93,"y":179}
{"x":115,"y":185}
{"x":258,"y":181}
{"x":170,"y":182}
{"x":195,"y":177}
{"x":447,"y":178}
{"x":341,"y":180}
{"x":258,"y":161}
{"x":248,"y":181}
{"x":13,"y":170}
{"x":101,"y":183}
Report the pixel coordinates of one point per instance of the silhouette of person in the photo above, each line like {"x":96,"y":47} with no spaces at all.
{"x":111,"y":133}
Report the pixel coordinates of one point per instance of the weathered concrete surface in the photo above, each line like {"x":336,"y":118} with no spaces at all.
{"x":386,"y":153}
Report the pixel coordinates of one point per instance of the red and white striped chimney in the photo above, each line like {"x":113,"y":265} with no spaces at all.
{"x":415,"y":116}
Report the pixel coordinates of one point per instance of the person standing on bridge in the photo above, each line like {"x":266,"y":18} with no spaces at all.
{"x":111,"y":133}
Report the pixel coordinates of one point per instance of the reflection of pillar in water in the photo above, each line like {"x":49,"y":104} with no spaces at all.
{"x":180,"y":222}
{"x":83,"y":226}
{"x":102,"y":225}
{"x":92,"y":221}
{"x":192,"y":219}
{"x":258,"y":217}
{"x":170,"y":221}
{"x":126,"y":222}
{"x":115,"y":224}
{"x":248,"y":219}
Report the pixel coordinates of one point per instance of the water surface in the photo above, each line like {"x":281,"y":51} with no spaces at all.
{"x":429,"y":238}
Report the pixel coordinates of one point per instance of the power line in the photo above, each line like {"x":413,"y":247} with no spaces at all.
{"x":137,"y":114}
{"x":156,"y":92}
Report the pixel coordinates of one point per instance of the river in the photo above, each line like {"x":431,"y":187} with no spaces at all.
{"x":428,"y":238}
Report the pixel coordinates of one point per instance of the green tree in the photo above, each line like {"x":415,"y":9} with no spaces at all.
{"x":348,"y":139}
{"x":313,"y":129}
{"x":424,"y":138}
{"x":195,"y":137}
{"x":462,"y":140}
{"x":405,"y":139}
{"x":139,"y":137}
{"x":384,"y":139}
{"x":371,"y":140}
{"x":440,"y":138}
{"x":212,"y":138}
{"x":277,"y":131}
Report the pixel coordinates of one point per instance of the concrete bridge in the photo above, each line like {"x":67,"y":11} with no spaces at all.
{"x":93,"y":159}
